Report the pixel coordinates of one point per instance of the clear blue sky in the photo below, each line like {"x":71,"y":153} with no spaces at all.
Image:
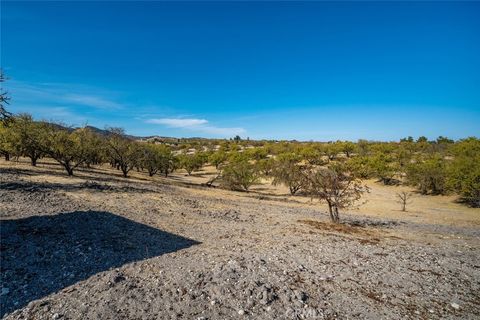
{"x":320,"y":71}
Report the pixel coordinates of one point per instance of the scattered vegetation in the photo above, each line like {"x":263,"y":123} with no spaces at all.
{"x":331,"y":172}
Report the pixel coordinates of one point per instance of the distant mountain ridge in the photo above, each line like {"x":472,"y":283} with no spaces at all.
{"x":105,"y":132}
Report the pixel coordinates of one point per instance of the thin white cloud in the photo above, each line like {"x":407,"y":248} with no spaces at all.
{"x":178,"y":123}
{"x":61,"y":94}
{"x":197,"y":125}
{"x":92,"y":101}
{"x":54,"y":114}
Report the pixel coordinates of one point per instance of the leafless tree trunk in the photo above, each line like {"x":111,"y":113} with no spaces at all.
{"x":404,"y":198}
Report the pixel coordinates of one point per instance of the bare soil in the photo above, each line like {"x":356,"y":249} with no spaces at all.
{"x":98,"y":246}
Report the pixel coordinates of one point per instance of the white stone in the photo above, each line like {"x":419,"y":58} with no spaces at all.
{"x":455,"y":306}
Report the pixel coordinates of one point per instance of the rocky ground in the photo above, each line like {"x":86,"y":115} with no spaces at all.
{"x":101,"y":247}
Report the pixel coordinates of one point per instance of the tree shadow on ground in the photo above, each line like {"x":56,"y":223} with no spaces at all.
{"x":28,"y":186}
{"x":80,"y":173}
{"x":43,"y":254}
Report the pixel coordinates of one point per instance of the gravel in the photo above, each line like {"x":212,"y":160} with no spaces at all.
{"x":137,"y":250}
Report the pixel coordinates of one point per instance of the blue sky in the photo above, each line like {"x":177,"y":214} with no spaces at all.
{"x":307,"y":71}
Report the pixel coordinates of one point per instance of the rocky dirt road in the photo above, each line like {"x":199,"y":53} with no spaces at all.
{"x":108,"y":248}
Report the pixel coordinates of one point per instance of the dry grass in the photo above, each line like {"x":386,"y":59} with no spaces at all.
{"x":380,"y":202}
{"x":361,"y":234}
{"x":336,"y":227}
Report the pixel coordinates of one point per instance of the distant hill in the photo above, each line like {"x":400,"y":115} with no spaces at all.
{"x":97,"y":130}
{"x":105,"y":132}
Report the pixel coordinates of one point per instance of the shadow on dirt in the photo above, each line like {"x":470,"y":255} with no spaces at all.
{"x":43,"y":254}
{"x":27,"y":186}
{"x":81,"y":173}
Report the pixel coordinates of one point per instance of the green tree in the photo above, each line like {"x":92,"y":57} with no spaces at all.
{"x":7,"y":141}
{"x":444,"y":140}
{"x":463,"y":173}
{"x":469,"y":147}
{"x":191,"y":162}
{"x":157,"y":158}
{"x":312,"y":155}
{"x":218,"y":158}
{"x":236,"y":156}
{"x":404,"y":154}
{"x":361,"y":166}
{"x":257,"y":153}
{"x":384,"y":167}
{"x":96,"y":149}
{"x":348,"y":148}
{"x":422,"y":145}
{"x":407,"y":139}
{"x":151,"y":158}
{"x":68,"y":149}
{"x":288,"y":172}
{"x":27,"y":135}
{"x":265,"y":166}
{"x":463,"y":177}
{"x":363,"y":147}
{"x":385,"y":148}
{"x":331,"y":150}
{"x":239,"y":175}
{"x":422,"y":139}
{"x":123,"y":152}
{"x":169,"y":162}
{"x":336,"y":185}
{"x":428,"y":176}
{"x":202,"y":157}
{"x":289,"y":157}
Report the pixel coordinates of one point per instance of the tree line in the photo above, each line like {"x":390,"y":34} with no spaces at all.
{"x":332,"y":172}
